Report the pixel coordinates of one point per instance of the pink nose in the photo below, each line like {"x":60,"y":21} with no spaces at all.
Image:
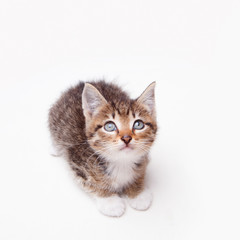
{"x":126,"y":139}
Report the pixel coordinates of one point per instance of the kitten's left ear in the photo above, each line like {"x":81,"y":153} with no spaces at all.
{"x":147,"y":98}
{"x":92,"y":100}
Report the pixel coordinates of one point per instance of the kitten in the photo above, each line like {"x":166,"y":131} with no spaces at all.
{"x":106,"y":137}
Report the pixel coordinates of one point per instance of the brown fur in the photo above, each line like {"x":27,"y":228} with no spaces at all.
{"x":80,"y":142}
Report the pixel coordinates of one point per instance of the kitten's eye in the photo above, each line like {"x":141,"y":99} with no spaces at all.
{"x":110,"y":126}
{"x":138,"y":125}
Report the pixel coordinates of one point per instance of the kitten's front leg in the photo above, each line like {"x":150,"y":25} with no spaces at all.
{"x":139,"y":197}
{"x":112,"y":206}
{"x":142,"y":201}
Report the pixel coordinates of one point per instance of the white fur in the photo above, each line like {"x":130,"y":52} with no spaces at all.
{"x":54,"y":150}
{"x":122,"y":174}
{"x":142,"y":201}
{"x":121,"y":164}
{"x":112,"y":206}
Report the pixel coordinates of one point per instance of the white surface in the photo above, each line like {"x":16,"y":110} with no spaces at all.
{"x":190,"y":48}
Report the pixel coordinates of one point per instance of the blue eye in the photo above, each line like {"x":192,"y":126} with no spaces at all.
{"x":138,"y":125}
{"x":110,"y":126}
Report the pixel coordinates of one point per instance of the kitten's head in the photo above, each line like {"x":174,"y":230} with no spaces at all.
{"x":119,"y":129}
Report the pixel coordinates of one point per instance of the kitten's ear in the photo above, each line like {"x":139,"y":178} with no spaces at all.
{"x":147,"y":98}
{"x":92,"y":99}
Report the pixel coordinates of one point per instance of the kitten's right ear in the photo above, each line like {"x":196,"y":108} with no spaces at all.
{"x":92,"y":99}
{"x":147,"y":98}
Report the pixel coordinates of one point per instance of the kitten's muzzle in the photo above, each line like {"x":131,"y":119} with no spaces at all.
{"x":126,"y":139}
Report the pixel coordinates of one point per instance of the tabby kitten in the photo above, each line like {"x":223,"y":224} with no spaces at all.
{"x":106,"y":137}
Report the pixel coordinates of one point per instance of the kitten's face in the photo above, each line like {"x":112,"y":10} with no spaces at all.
{"x":124,"y":132}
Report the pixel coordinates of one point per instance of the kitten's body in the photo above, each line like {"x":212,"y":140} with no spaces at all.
{"x":108,"y":165}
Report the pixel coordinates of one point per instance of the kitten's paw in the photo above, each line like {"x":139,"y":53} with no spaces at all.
{"x":53,"y":151}
{"x":142,"y":201}
{"x":111,"y":206}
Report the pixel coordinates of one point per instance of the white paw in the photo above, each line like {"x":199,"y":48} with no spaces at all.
{"x":54,"y":151}
{"x":111,"y":206}
{"x":142,"y":201}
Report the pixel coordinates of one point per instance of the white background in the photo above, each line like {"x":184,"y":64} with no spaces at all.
{"x":190,"y":48}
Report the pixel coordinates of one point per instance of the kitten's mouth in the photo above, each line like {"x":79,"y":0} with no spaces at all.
{"x":126,"y":147}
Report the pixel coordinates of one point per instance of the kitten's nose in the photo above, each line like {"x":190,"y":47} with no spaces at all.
{"x":126,"y":139}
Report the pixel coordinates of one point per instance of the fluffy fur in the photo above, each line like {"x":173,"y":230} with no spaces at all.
{"x":110,"y":164}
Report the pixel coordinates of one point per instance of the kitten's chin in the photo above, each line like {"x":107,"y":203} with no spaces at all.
{"x":126,"y":154}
